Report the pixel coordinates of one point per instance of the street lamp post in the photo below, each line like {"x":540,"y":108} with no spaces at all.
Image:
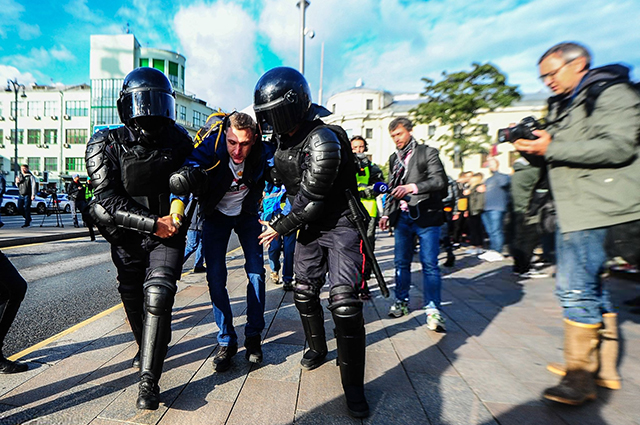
{"x":14,"y":86}
{"x":302,"y":4}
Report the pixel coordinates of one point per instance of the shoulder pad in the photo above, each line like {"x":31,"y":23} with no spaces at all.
{"x":320,"y":136}
{"x":100,"y":136}
{"x":95,"y":160}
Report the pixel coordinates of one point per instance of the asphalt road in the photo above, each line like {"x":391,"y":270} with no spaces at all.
{"x":69,"y":281}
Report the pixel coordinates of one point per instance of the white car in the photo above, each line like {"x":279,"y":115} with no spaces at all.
{"x":63,"y":202}
{"x":10,"y":202}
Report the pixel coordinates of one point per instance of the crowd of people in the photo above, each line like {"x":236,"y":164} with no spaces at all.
{"x":302,"y":194}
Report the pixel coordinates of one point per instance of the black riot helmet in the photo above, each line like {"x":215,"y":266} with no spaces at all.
{"x":282,"y":99}
{"x":147,"y":100}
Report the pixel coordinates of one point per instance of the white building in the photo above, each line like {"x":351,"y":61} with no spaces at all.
{"x":368,"y":112}
{"x":55,"y":122}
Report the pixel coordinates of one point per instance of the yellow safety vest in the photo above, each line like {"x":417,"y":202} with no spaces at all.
{"x":370,"y":204}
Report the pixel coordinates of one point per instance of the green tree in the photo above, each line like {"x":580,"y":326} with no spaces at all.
{"x":457,"y":100}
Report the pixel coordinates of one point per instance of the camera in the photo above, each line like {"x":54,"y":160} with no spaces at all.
{"x":522,"y":130}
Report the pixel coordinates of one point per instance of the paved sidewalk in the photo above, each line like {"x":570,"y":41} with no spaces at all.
{"x":488,"y":369}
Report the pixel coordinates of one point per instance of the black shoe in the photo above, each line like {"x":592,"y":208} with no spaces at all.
{"x":148,"y":395}
{"x":199,"y":269}
{"x":634,"y":302}
{"x":287,"y":286}
{"x":222,"y":359}
{"x":135,"y":363}
{"x":7,"y":366}
{"x":451,"y":260}
{"x":312,"y":359}
{"x":1,"y":224}
{"x":253,"y":351}
{"x":25,"y":225}
{"x":356,"y":403}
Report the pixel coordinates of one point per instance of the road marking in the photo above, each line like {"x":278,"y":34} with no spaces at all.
{"x":42,"y":243}
{"x":63,"y":333}
{"x":80,"y":325}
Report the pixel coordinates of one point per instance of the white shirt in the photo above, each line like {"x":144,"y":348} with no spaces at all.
{"x":231,"y":203}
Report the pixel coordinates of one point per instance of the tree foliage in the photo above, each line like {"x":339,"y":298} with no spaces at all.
{"x":457,"y":100}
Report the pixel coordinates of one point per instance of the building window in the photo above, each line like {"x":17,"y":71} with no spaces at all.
{"x":74,"y":164}
{"x":104,"y":95}
{"x":333,"y":108}
{"x":368,"y":133}
{"x":34,"y":108}
{"x":33,"y":163}
{"x":182,"y":113}
{"x":77,"y":136}
{"x":21,"y":108}
{"x":51,"y":164}
{"x":173,"y":69}
{"x":369,"y":106}
{"x":144,"y":62}
{"x":51,"y":108}
{"x":197,"y":119}
{"x":484,"y":128}
{"x":20,"y":136}
{"x":33,"y":137}
{"x":457,"y":130}
{"x":76,"y":108}
{"x":1,"y":140}
{"x":159,"y":64}
{"x":431,"y":131}
{"x":50,"y":137}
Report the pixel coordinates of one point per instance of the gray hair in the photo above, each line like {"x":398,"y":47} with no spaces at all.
{"x":403,"y":121}
{"x":569,"y":51}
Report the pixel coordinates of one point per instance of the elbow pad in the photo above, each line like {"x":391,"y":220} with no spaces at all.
{"x":187,"y":180}
{"x":286,"y":224}
{"x":139,"y":223}
{"x":100,"y":215}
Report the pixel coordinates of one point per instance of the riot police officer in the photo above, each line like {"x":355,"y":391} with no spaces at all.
{"x":129,"y":169}
{"x":316,"y":165}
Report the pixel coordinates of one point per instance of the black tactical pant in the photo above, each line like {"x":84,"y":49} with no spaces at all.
{"x":12,"y":291}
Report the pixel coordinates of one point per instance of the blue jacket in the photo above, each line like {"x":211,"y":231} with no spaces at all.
{"x":212,"y":155}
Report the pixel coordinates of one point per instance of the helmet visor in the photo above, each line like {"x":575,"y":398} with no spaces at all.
{"x":147,"y":103}
{"x":283,"y":118}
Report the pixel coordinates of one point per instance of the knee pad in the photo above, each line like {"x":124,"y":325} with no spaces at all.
{"x":158,"y":300}
{"x":306,"y":298}
{"x":343,"y":295}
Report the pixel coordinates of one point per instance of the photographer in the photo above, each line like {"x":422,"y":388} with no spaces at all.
{"x":590,"y":148}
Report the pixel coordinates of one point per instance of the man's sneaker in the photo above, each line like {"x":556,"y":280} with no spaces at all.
{"x":533,"y":274}
{"x":222,"y":359}
{"x":253,"y":350}
{"x":435,"y":321}
{"x":399,"y":309}
{"x":491,"y":256}
{"x":275,"y":277}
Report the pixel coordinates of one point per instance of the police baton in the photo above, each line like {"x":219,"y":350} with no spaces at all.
{"x":358,"y":219}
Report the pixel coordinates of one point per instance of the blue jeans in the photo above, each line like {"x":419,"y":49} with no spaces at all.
{"x":216,"y":232}
{"x":580,"y":258}
{"x":194,"y":244}
{"x":492,"y":221}
{"x":286,"y":245}
{"x":24,"y":206}
{"x":429,"y":238}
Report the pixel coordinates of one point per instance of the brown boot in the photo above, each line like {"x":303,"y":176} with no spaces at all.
{"x":578,"y":385}
{"x":608,"y":376}
{"x":606,"y":358}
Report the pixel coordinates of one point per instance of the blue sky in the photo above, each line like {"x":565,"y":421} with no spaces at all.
{"x":389,"y":44}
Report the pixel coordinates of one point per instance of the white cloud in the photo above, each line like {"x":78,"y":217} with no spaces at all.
{"x":12,"y":73}
{"x":219,"y":42}
{"x":11,"y":20}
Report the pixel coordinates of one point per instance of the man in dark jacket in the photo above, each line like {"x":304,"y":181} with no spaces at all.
{"x":417,"y":181}
{"x":591,"y":151}
{"x":227,"y":171}
{"x":27,"y":187}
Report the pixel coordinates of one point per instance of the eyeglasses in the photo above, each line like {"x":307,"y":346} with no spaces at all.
{"x":553,"y":73}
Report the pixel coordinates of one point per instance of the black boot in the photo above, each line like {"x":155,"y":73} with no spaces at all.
{"x":350,"y":338}
{"x":253,"y":349}
{"x":451,"y":258}
{"x":312,"y":317}
{"x":148,"y":395}
{"x":134,"y":309}
{"x":156,"y":335}
{"x":7,"y":366}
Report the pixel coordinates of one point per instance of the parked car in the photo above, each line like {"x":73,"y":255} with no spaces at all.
{"x":10,"y":202}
